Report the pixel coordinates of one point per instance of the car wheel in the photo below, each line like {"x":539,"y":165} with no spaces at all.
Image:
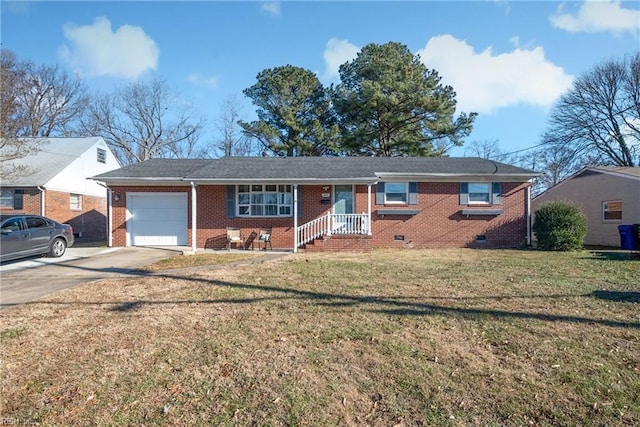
{"x":58,"y":247}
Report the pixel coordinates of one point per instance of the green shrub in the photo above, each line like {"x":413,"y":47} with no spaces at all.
{"x":560,"y":226}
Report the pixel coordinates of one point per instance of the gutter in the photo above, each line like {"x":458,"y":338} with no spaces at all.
{"x":453,"y":177}
{"x":225,"y":181}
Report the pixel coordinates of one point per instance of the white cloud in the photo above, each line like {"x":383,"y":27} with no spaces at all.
{"x":271,"y":7}
{"x":336,"y":53}
{"x":211,"y":81}
{"x":598,"y":16}
{"x":98,"y":51}
{"x":485,"y":82}
{"x":504,"y":4}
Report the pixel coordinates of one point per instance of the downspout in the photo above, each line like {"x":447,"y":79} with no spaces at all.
{"x":109,"y":214}
{"x":43,"y":200}
{"x":369,"y":232}
{"x":295,"y":218}
{"x":528,"y":213}
{"x":194,"y":216}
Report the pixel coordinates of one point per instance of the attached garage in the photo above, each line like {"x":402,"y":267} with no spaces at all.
{"x":157,"y":219}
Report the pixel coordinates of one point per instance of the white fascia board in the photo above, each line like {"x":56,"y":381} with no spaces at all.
{"x":141,"y":181}
{"x":186,"y":181}
{"x":452,"y":177}
{"x":313,"y":181}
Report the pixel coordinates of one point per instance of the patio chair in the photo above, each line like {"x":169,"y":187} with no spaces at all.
{"x":264,"y":238}
{"x":234,"y":236}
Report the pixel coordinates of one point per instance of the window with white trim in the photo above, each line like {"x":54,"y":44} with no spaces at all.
{"x":612,"y":210}
{"x":102,"y":155}
{"x":396,"y":192}
{"x":6,"y":198}
{"x":264,"y":200}
{"x":479,"y":193}
{"x":75,"y":202}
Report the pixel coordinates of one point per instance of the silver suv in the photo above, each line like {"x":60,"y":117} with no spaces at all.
{"x":27,"y":235}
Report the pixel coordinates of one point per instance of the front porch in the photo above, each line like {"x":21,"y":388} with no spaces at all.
{"x":335,"y":232}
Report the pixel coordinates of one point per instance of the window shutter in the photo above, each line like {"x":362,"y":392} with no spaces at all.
{"x":17,"y":199}
{"x":299,"y":201}
{"x":464,"y":193}
{"x":231,"y":201}
{"x":413,"y":193}
{"x":496,"y":197}
{"x":380,"y":193}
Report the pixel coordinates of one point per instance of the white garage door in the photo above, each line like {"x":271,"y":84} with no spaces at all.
{"x":157,"y":219}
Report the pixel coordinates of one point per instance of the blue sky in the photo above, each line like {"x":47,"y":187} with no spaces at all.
{"x":507,"y":60}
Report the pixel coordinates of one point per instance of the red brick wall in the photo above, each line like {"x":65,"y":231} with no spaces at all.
{"x":340,"y":243}
{"x":438,"y":224}
{"x":31,"y":202}
{"x":91,"y":221}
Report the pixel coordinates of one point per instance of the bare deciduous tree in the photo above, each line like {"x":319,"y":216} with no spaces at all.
{"x":52,"y":101}
{"x":39,"y":101}
{"x":144,"y":120}
{"x":232,"y":141}
{"x":601,"y":113}
{"x":12,"y":72}
{"x":489,"y":149}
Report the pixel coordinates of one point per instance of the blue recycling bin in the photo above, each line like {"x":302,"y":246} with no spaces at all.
{"x":626,"y":237}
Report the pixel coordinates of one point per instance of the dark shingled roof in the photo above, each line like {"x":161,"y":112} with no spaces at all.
{"x":158,"y":168}
{"x":309,"y":168}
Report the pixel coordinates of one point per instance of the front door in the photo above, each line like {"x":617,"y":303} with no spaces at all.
{"x":343,"y":207}
{"x":343,"y":199}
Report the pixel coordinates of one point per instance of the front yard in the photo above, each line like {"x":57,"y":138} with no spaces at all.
{"x":406,"y":337}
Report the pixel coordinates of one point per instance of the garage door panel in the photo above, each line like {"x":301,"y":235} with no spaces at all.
{"x":158,"y":219}
{"x":156,"y":240}
{"x":175,"y":214}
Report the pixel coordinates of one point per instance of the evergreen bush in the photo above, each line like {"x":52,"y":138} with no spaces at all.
{"x":560,"y":226}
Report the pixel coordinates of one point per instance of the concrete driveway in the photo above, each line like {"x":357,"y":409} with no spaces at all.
{"x":32,"y":278}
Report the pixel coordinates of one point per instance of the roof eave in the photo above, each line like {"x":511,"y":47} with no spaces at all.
{"x":226,"y":181}
{"x":455,"y":177}
{"x":138,"y":180}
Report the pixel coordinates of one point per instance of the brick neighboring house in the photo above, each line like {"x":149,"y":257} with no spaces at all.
{"x":55,"y":184}
{"x":609,"y":196}
{"x":322,"y":203}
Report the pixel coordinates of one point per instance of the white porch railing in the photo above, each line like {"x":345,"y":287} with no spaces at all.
{"x":329,"y":224}
{"x":313,"y":229}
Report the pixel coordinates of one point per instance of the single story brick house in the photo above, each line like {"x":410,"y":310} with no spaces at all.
{"x":53,"y":183}
{"x":321,"y":203}
{"x":608,"y":195}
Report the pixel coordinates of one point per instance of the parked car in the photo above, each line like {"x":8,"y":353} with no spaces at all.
{"x":27,"y":235}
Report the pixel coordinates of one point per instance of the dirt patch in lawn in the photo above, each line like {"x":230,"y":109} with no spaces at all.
{"x":203,"y":259}
{"x":415,"y":337}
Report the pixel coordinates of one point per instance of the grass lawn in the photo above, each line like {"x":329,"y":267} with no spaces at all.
{"x":405,"y":337}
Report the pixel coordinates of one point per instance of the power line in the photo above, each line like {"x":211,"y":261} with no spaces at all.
{"x":600,"y":120}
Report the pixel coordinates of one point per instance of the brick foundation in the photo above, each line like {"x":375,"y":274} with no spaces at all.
{"x":340,"y":244}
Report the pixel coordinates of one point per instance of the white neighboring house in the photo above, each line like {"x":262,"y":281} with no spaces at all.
{"x":609,"y":197}
{"x":55,"y":184}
